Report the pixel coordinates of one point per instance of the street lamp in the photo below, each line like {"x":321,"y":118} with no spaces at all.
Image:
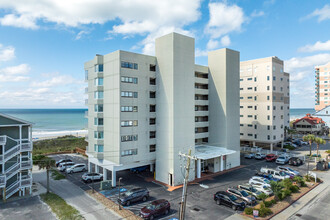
{"x":119,"y":194}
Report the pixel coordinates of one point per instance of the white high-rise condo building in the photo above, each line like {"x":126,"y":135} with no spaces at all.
{"x":146,"y":110}
{"x":322,"y":86}
{"x":15,"y":156}
{"x":264,"y":101}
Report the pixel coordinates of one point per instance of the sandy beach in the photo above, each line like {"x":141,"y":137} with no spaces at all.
{"x":41,"y":135}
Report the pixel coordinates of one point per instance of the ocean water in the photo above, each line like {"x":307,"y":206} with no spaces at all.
{"x":55,"y":122}
{"x":52,"y":122}
{"x":300,"y":112}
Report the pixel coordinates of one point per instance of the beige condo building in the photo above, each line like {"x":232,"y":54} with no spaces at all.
{"x":264,"y":101}
{"x":146,"y":110}
{"x":322,"y":86}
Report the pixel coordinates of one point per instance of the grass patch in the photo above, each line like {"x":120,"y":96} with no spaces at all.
{"x":65,"y":143}
{"x":57,"y":175}
{"x":58,"y":205}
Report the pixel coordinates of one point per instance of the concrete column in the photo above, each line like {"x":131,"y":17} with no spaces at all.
{"x":20,"y":134}
{"x":113,"y":177}
{"x":30,"y":133}
{"x":271,"y":147}
{"x":221,"y":163}
{"x":282,"y":144}
{"x":199,"y":168}
{"x":105,"y":174}
{"x":254,"y":143}
{"x":89,"y":164}
{"x":30,"y":190}
{"x":96,"y":168}
{"x":151,"y":168}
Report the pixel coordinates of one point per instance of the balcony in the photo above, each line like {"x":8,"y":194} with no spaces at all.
{"x":12,"y":170}
{"x":2,"y":180}
{"x":86,"y":101}
{"x":86,"y":90}
{"x":13,"y":151}
{"x":26,"y":181}
{"x":26,"y":147}
{"x":3,"y":140}
{"x":25,"y":165}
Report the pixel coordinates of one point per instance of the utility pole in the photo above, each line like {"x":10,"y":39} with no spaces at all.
{"x":185,"y":184}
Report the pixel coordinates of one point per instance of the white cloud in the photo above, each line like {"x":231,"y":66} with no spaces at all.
{"x":256,"y":13}
{"x":14,"y":73}
{"x":200,"y":53}
{"x":81,"y":34}
{"x":321,"y":14}
{"x":6,"y":53}
{"x":318,"y":46}
{"x":145,"y":17}
{"x":224,"y":19}
{"x":59,"y":80}
{"x":302,"y":78}
{"x":212,"y":44}
{"x":22,"y":21}
{"x":14,"y":70}
{"x":225,"y":41}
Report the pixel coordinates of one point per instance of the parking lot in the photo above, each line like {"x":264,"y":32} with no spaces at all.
{"x":200,"y":203}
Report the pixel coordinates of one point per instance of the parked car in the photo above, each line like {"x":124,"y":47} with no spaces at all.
{"x":227,"y":199}
{"x":304,"y":142}
{"x":297,"y":142}
{"x":267,"y":190}
{"x":249,"y":199}
{"x":62,"y":161}
{"x":139,"y":169}
{"x":276,"y":173}
{"x":263,"y":182}
{"x":260,"y":156}
{"x":249,"y":155}
{"x":284,"y":150}
{"x":296,"y":161}
{"x":288,"y":170}
{"x":64,"y":166}
{"x":89,"y":177}
{"x":155,"y":208}
{"x":267,"y":176}
{"x":271,"y":157}
{"x":77,"y":168}
{"x":134,"y":195}
{"x":249,"y":189}
{"x":282,"y":160}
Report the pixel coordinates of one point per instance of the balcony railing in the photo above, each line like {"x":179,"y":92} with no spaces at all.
{"x":12,"y":170}
{"x":26,"y":147}
{"x":26,"y":181}
{"x":26,"y":164}
{"x":3,"y":140}
{"x":12,"y":189}
{"x":2,"y":180}
{"x":11,"y":152}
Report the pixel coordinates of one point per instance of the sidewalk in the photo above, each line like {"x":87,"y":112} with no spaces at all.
{"x":88,"y":207}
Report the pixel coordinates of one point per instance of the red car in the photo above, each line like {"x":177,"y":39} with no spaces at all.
{"x":155,"y":208}
{"x":271,"y":157}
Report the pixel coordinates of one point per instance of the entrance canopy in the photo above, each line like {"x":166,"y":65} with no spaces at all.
{"x":205,"y":152}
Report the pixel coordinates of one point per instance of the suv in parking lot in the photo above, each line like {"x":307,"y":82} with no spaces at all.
{"x":282,"y":159}
{"x":288,"y":170}
{"x":89,"y":177}
{"x":267,"y":176}
{"x":260,"y":156}
{"x":249,"y":189}
{"x":76,"y":168}
{"x":278,"y":174}
{"x":257,"y":180}
{"x":58,"y":163}
{"x":155,"y":208}
{"x":63,"y":166}
{"x":249,"y":199}
{"x":133,"y":195}
{"x":296,"y":161}
{"x":227,"y":199}
{"x":271,"y":157}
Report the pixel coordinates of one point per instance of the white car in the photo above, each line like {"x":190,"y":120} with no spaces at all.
{"x":63,"y":166}
{"x":282,"y":160}
{"x":249,"y":155}
{"x":260,"y":156}
{"x":77,"y":168}
{"x":303,"y":142}
{"x":288,"y":170}
{"x":259,"y":181}
{"x":268,"y":191}
{"x":278,"y":174}
{"x":89,"y":177}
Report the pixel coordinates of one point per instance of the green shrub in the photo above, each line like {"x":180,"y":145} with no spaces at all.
{"x":248,"y":211}
{"x":294,"y":189}
{"x":264,"y":211}
{"x":262,"y":196}
{"x":57,"y":175}
{"x":327,"y":151}
{"x":299,"y":180}
{"x":289,"y":147}
{"x":268,"y":203}
{"x":273,"y":201}
{"x":37,"y":157}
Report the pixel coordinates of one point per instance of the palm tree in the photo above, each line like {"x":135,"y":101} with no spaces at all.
{"x":319,"y":141}
{"x":310,"y":138}
{"x":44,"y":162}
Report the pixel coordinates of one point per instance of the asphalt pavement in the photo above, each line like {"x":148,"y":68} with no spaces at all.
{"x":27,"y":208}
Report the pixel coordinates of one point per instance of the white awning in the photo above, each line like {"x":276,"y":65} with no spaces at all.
{"x":205,"y":152}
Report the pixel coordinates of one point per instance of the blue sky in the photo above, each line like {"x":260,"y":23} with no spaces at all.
{"x":44,"y":43}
